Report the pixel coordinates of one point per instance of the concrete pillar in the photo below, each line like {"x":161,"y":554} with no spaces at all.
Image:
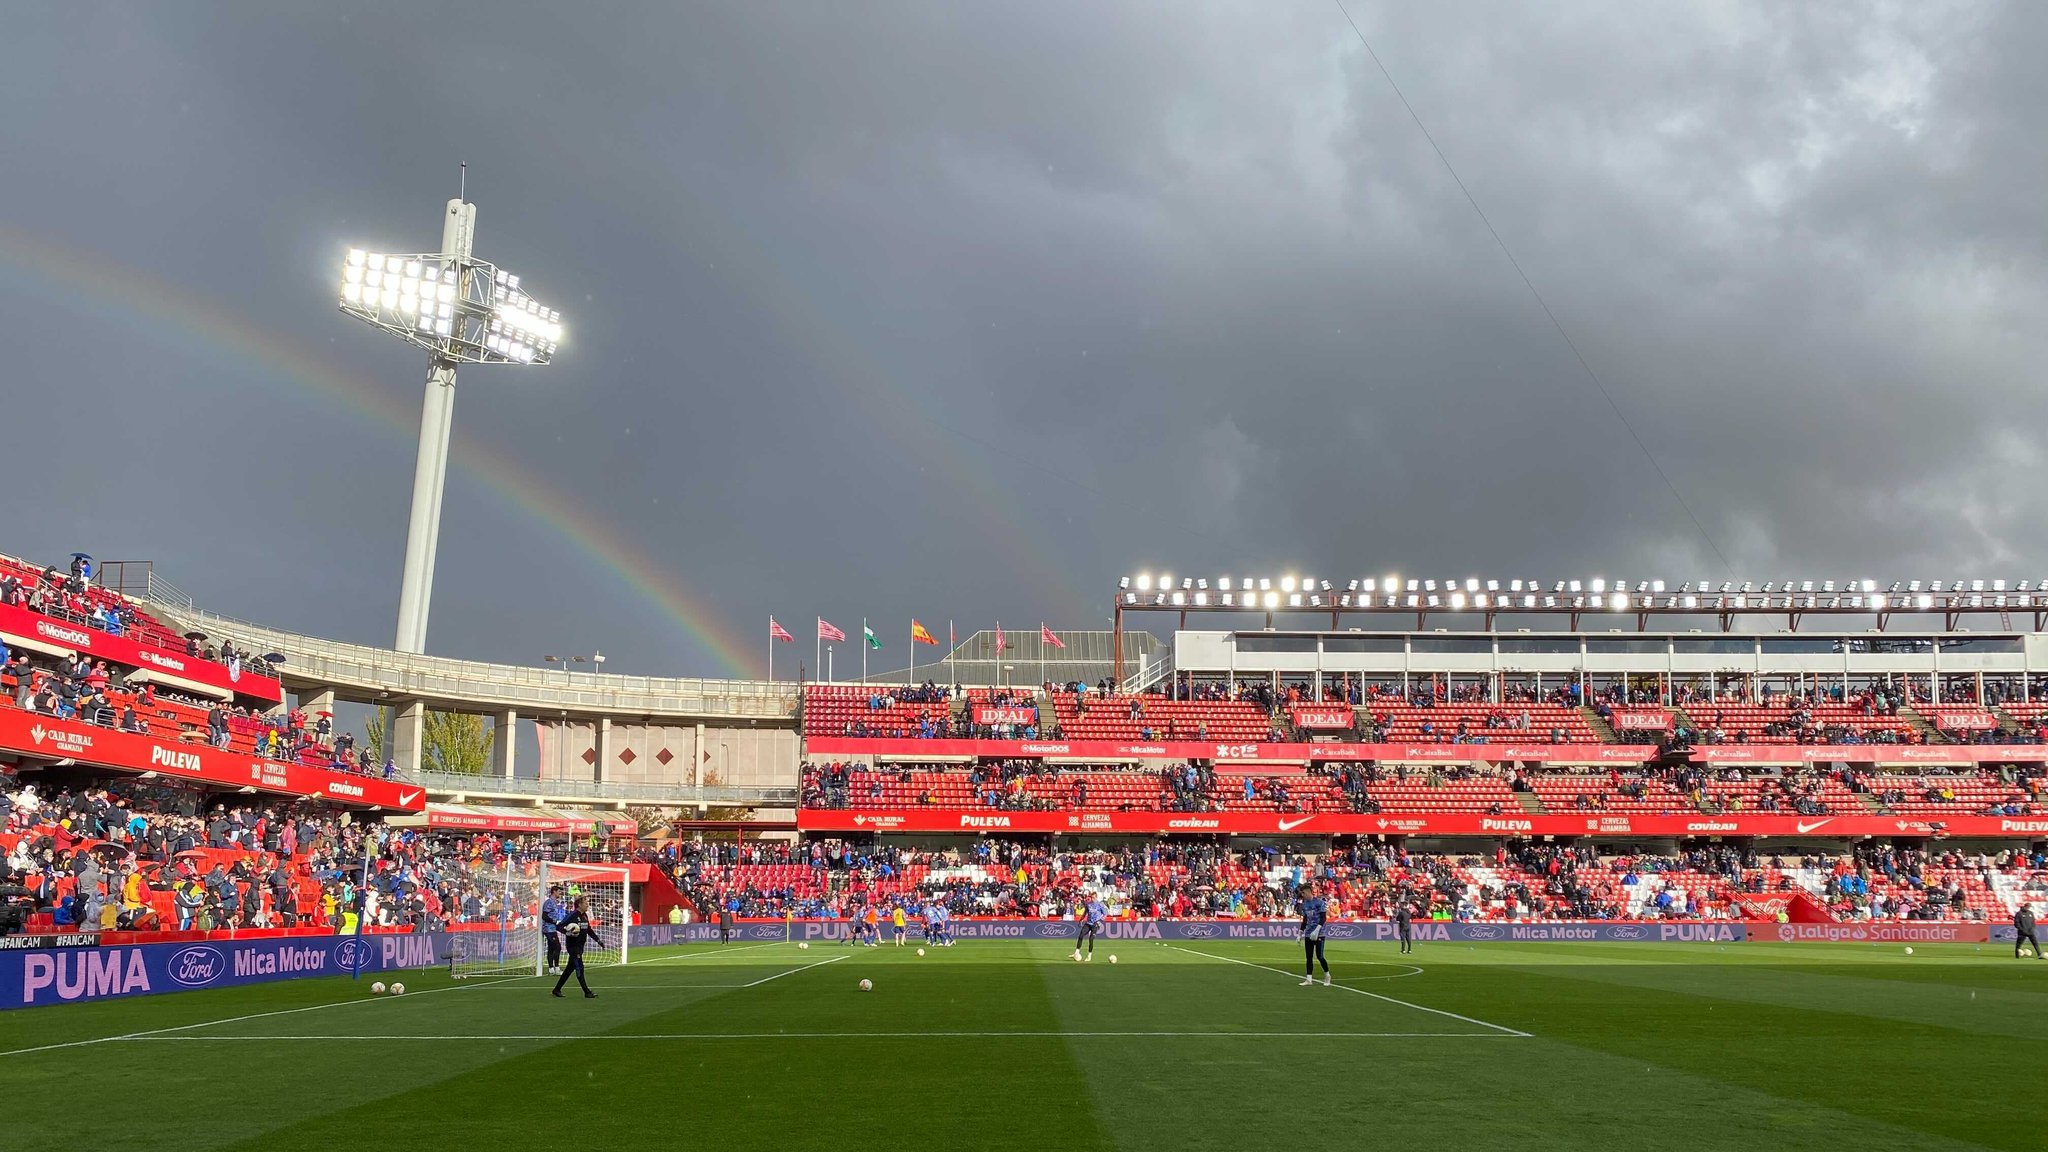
{"x":504,"y":743}
{"x":315,"y":702}
{"x":604,"y":750}
{"x":406,"y":735}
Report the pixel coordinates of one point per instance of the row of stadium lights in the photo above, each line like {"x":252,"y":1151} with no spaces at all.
{"x":1392,"y":592}
{"x":425,"y":293}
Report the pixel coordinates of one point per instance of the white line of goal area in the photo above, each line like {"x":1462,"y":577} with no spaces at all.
{"x":167,"y":1033}
{"x":561,"y":1037}
{"x":721,"y":951}
{"x":1499,"y":1029}
{"x":175,"y":1032}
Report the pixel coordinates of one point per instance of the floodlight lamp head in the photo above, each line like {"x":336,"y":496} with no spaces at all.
{"x":459,"y":309}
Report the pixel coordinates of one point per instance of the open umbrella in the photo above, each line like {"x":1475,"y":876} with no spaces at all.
{"x":190,"y":854}
{"x":273,"y":657}
{"x":324,"y":712}
{"x":195,"y":635}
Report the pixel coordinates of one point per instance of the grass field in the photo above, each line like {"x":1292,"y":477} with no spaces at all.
{"x":1012,"y":1045}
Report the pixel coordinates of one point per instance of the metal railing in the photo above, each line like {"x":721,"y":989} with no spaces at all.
{"x":756,"y":796}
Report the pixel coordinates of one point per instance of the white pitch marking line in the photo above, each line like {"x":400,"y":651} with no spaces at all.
{"x":611,"y":987}
{"x":702,"y":955}
{"x":1361,"y":992}
{"x":793,"y":971}
{"x":161,"y":1032}
{"x":557,"y":1036}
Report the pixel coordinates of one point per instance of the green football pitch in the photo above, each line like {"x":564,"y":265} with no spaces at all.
{"x":1013,"y":1045}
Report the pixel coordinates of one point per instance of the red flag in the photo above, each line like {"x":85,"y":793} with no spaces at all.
{"x":1046,"y":638}
{"x":999,"y":637}
{"x":919,"y":634}
{"x":777,"y":631}
{"x":828,"y":632}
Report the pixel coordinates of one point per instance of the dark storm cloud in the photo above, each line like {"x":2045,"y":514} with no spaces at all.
{"x":960,"y":312}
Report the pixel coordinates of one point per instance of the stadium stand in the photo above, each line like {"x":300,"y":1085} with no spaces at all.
{"x":1548,"y":723}
{"x":884,"y":712}
{"x":1102,"y":716}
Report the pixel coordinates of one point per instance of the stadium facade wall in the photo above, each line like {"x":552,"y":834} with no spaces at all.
{"x":677,"y":755}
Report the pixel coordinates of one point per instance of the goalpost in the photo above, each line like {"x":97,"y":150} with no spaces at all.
{"x":607,"y":889}
{"x":512,"y":898}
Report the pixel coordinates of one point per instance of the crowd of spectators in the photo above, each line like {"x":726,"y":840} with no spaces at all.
{"x":1518,"y":880}
{"x":145,"y":858}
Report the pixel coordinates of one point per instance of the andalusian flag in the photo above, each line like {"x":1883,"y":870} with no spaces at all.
{"x":919,"y":636}
{"x":873,"y":640}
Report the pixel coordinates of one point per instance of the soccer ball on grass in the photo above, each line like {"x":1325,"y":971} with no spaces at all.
{"x":398,"y":989}
{"x":803,"y":945}
{"x":1112,"y":957}
{"x":377,"y":988}
{"x":867,"y":985}
{"x":1909,"y":949}
{"x":920,"y":951}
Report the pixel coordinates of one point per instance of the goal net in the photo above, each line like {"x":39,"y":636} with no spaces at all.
{"x":511,"y":898}
{"x":607,"y":892}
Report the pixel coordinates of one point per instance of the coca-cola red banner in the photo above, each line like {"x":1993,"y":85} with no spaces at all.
{"x":1934,"y":755}
{"x":978,"y":820}
{"x":1640,"y":720}
{"x":34,"y":734}
{"x":1323,"y":716}
{"x":1014,"y":715}
{"x":33,"y":629}
{"x":1109,"y":751}
{"x":1964,"y":721}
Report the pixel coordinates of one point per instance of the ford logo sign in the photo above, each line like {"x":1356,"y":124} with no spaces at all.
{"x":352,"y":955}
{"x":1341,"y":931}
{"x":1482,"y":932}
{"x":1052,"y":932}
{"x":768,"y":932}
{"x":1200,"y":931}
{"x":1629,"y":931}
{"x":197,"y":966}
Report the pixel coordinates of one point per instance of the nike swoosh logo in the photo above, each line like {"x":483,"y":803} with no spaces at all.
{"x":1290,"y":825}
{"x":405,"y":798}
{"x":1804,"y":827}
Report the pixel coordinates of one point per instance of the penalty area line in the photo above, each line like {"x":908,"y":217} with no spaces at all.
{"x":1501,"y":1028}
{"x":680,"y":1036}
{"x":794,"y":971}
{"x":721,"y":951}
{"x":167,"y":1033}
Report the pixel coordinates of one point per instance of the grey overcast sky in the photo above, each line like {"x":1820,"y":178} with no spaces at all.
{"x":959,"y":311}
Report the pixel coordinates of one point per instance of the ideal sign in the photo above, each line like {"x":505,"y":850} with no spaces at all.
{"x":1323,"y":718}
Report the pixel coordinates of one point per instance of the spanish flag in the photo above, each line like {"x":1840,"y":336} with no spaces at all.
{"x":919,"y":635}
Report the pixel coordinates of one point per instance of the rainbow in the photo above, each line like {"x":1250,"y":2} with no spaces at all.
{"x":104,"y":284}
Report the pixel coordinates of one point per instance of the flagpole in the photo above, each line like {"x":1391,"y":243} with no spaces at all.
{"x":771,"y":649}
{"x":863,"y":649}
{"x":1041,"y":656}
{"x":952,"y":642}
{"x":818,"y":645}
{"x":913,"y":656}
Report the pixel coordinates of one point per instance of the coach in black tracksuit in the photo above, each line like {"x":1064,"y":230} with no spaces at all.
{"x":1404,"y":924}
{"x":577,"y":930}
{"x":2023,"y":930}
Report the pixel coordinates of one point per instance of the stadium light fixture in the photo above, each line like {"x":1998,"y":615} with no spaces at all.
{"x":459,"y":310}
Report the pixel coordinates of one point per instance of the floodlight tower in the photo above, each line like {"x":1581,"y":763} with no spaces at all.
{"x":461,"y":310}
